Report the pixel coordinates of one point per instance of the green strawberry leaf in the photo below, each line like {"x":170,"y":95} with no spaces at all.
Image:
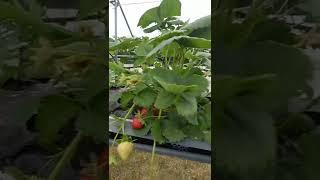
{"x":126,"y":44}
{"x":169,"y":8}
{"x":176,"y":119}
{"x":126,"y":97}
{"x":200,"y":82}
{"x":193,"y":119}
{"x":200,"y":28}
{"x":179,"y":81}
{"x":164,"y":100}
{"x":204,"y":117}
{"x":143,"y":49}
{"x":142,"y":132}
{"x":165,"y":36}
{"x":186,"y":105}
{"x":173,"y":88}
{"x":149,"y":17}
{"x":173,"y":134}
{"x":138,"y":88}
{"x":145,"y":98}
{"x":156,"y":132}
{"x":184,"y":41}
{"x":193,"y":132}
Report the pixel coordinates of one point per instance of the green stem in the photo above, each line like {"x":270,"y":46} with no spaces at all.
{"x":122,"y":125}
{"x":123,"y":128}
{"x":153,"y":151}
{"x":160,"y":112}
{"x":154,"y":141}
{"x":114,"y":139}
{"x":129,"y":112}
{"x":67,"y":155}
{"x":126,"y":116}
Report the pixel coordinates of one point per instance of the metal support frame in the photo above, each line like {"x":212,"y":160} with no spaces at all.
{"x":116,"y":3}
{"x":116,"y":26}
{"x":125,"y":18}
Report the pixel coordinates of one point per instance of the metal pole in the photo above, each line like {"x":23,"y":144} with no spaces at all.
{"x":115,"y":26}
{"x":125,"y":18}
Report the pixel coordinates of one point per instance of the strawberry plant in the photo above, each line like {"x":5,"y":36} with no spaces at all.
{"x":166,"y":79}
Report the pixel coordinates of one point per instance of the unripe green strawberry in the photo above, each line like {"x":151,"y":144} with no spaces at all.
{"x":124,"y":149}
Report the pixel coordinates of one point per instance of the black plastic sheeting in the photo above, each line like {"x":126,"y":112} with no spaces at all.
{"x":172,"y":152}
{"x":187,"y":149}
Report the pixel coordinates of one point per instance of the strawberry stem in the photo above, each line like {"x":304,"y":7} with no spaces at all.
{"x":154,"y":148}
{"x":114,"y":139}
{"x":122,"y":125}
{"x":122,"y":128}
{"x":129,"y":112}
{"x":153,"y":151}
{"x":154,"y":141}
{"x":159,"y":115}
{"x":126,"y":116}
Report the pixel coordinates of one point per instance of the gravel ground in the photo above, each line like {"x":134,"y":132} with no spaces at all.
{"x":137,"y":167}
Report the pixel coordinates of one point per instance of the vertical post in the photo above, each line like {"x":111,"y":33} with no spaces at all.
{"x":116,"y":26}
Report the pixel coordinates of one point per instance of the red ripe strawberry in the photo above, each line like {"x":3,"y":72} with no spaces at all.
{"x":144,"y":111}
{"x":136,"y":123}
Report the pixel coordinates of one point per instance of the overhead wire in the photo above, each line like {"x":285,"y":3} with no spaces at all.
{"x":141,"y":3}
{"x":145,"y":2}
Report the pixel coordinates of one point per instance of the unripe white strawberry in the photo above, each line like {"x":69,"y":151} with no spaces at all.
{"x":124,"y":149}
